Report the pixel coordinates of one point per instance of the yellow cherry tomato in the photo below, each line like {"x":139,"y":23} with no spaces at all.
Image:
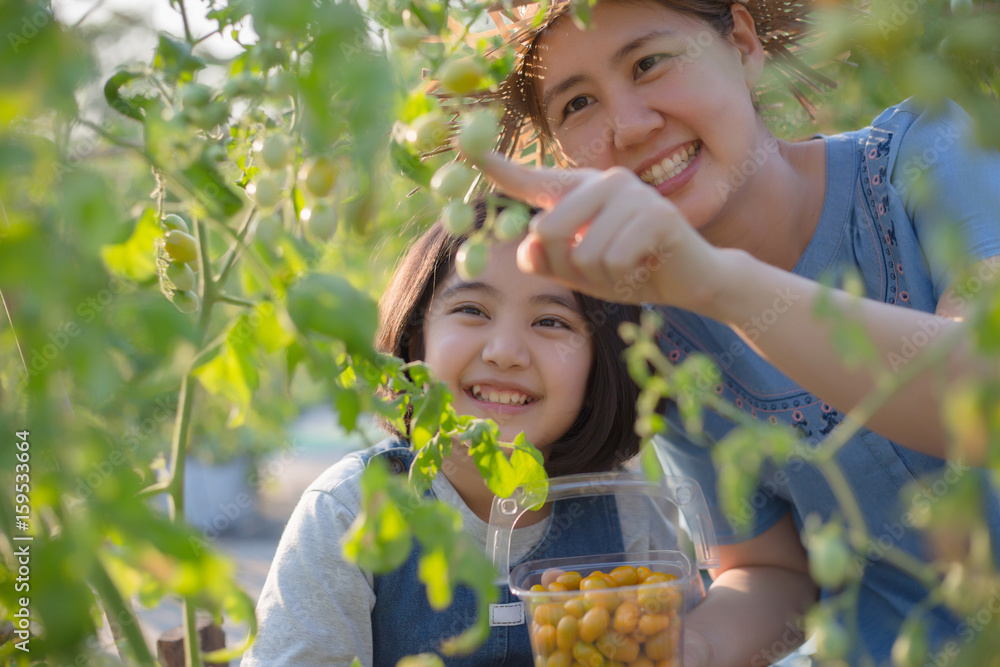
{"x":624,"y":575}
{"x":594,"y":623}
{"x":587,"y":655}
{"x":550,"y":575}
{"x":578,"y":606}
{"x":560,"y":658}
{"x":626,"y":617}
{"x":566,"y":632}
{"x":618,"y":646}
{"x":544,"y":639}
{"x":642,"y":572}
{"x":548,"y":614}
{"x":651,"y":624}
{"x":558,"y":587}
{"x":571,"y":580}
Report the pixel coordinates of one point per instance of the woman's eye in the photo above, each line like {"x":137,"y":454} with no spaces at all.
{"x":646,"y":63}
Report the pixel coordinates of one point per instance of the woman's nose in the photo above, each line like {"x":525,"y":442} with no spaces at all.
{"x":505,"y":348}
{"x":632,"y":120}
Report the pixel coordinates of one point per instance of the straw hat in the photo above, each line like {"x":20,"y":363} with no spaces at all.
{"x":781,"y":26}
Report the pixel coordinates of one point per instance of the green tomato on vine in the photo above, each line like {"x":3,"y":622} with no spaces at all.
{"x":322,"y":221}
{"x":321,"y":176}
{"x":457,"y":217}
{"x":277,"y":151}
{"x":479,"y":133}
{"x":174,"y":221}
{"x":511,"y":223}
{"x":268,"y":191}
{"x":462,"y":77}
{"x":180,"y":246}
{"x":186,"y":302}
{"x":471,"y":259}
{"x":182,"y":277}
{"x":452,"y":180}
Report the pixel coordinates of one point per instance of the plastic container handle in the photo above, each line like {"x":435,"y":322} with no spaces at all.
{"x":683,"y":492}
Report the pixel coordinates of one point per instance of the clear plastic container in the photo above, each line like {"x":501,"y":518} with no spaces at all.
{"x":633,"y":613}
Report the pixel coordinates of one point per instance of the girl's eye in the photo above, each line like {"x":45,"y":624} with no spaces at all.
{"x":576,"y":104}
{"x":467,"y":309}
{"x":647,"y":63}
{"x":553,"y":323}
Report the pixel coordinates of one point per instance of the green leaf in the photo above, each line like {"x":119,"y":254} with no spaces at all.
{"x":427,"y":414}
{"x":432,"y":570}
{"x":380,"y":538}
{"x":135,"y":259}
{"x":410,"y":164}
{"x":348,"y":408}
{"x":133,"y":107}
{"x":176,"y":60}
{"x":231,"y":374}
{"x":213,"y":190}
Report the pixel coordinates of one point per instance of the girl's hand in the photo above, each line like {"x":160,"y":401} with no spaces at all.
{"x":610,"y":235}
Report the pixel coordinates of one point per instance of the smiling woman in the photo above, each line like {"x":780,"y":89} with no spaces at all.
{"x":652,"y":110}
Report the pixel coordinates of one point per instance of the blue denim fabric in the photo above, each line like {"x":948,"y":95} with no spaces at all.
{"x":871,"y":224}
{"x":403,"y":622}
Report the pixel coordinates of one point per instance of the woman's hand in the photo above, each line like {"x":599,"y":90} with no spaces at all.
{"x":610,"y":235}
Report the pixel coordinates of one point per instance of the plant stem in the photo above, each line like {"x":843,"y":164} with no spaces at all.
{"x":229,"y":261}
{"x":182,"y":427}
{"x":235,"y":300}
{"x":119,"y":612}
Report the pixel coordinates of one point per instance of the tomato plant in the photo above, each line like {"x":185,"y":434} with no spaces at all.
{"x":162,"y":281}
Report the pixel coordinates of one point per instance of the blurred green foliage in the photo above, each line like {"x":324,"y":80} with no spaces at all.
{"x":112,"y":367}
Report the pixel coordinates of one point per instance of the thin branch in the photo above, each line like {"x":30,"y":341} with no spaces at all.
{"x":235,"y":300}
{"x":120,"y":612}
{"x":233,"y":253}
{"x":187,"y":27}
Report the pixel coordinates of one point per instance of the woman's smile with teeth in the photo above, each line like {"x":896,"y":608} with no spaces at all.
{"x":502,"y":397}
{"x":671,"y":166}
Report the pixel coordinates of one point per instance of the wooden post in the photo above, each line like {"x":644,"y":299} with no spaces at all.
{"x":170,"y":645}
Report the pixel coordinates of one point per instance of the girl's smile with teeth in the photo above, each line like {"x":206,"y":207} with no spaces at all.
{"x":500,"y":396}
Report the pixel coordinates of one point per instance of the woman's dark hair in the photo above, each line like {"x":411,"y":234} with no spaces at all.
{"x":603,"y":436}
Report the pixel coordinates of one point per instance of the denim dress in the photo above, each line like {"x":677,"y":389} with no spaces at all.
{"x":403,"y":622}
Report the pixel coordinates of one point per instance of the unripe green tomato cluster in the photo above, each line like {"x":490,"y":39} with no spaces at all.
{"x":181,"y":249}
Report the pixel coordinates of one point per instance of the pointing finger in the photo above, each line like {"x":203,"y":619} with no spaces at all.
{"x":542,"y":188}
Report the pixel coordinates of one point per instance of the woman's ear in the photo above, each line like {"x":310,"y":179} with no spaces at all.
{"x":744,"y":38}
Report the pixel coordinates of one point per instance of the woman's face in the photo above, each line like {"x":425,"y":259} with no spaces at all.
{"x":511,"y":347}
{"x":657,"y":92}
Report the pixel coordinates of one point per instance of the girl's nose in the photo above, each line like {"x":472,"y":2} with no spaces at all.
{"x":506,"y":349}
{"x":632,"y":120}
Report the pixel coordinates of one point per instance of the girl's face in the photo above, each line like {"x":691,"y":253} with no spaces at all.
{"x":512,"y":347}
{"x":657,"y":92}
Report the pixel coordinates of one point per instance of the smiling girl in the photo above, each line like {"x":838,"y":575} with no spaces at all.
{"x":652,"y":109}
{"x":520,"y":349}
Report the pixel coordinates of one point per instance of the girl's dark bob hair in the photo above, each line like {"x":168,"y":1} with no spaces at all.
{"x":603,"y":436}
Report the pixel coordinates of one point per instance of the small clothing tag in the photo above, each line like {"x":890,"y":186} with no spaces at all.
{"x":507,"y":614}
